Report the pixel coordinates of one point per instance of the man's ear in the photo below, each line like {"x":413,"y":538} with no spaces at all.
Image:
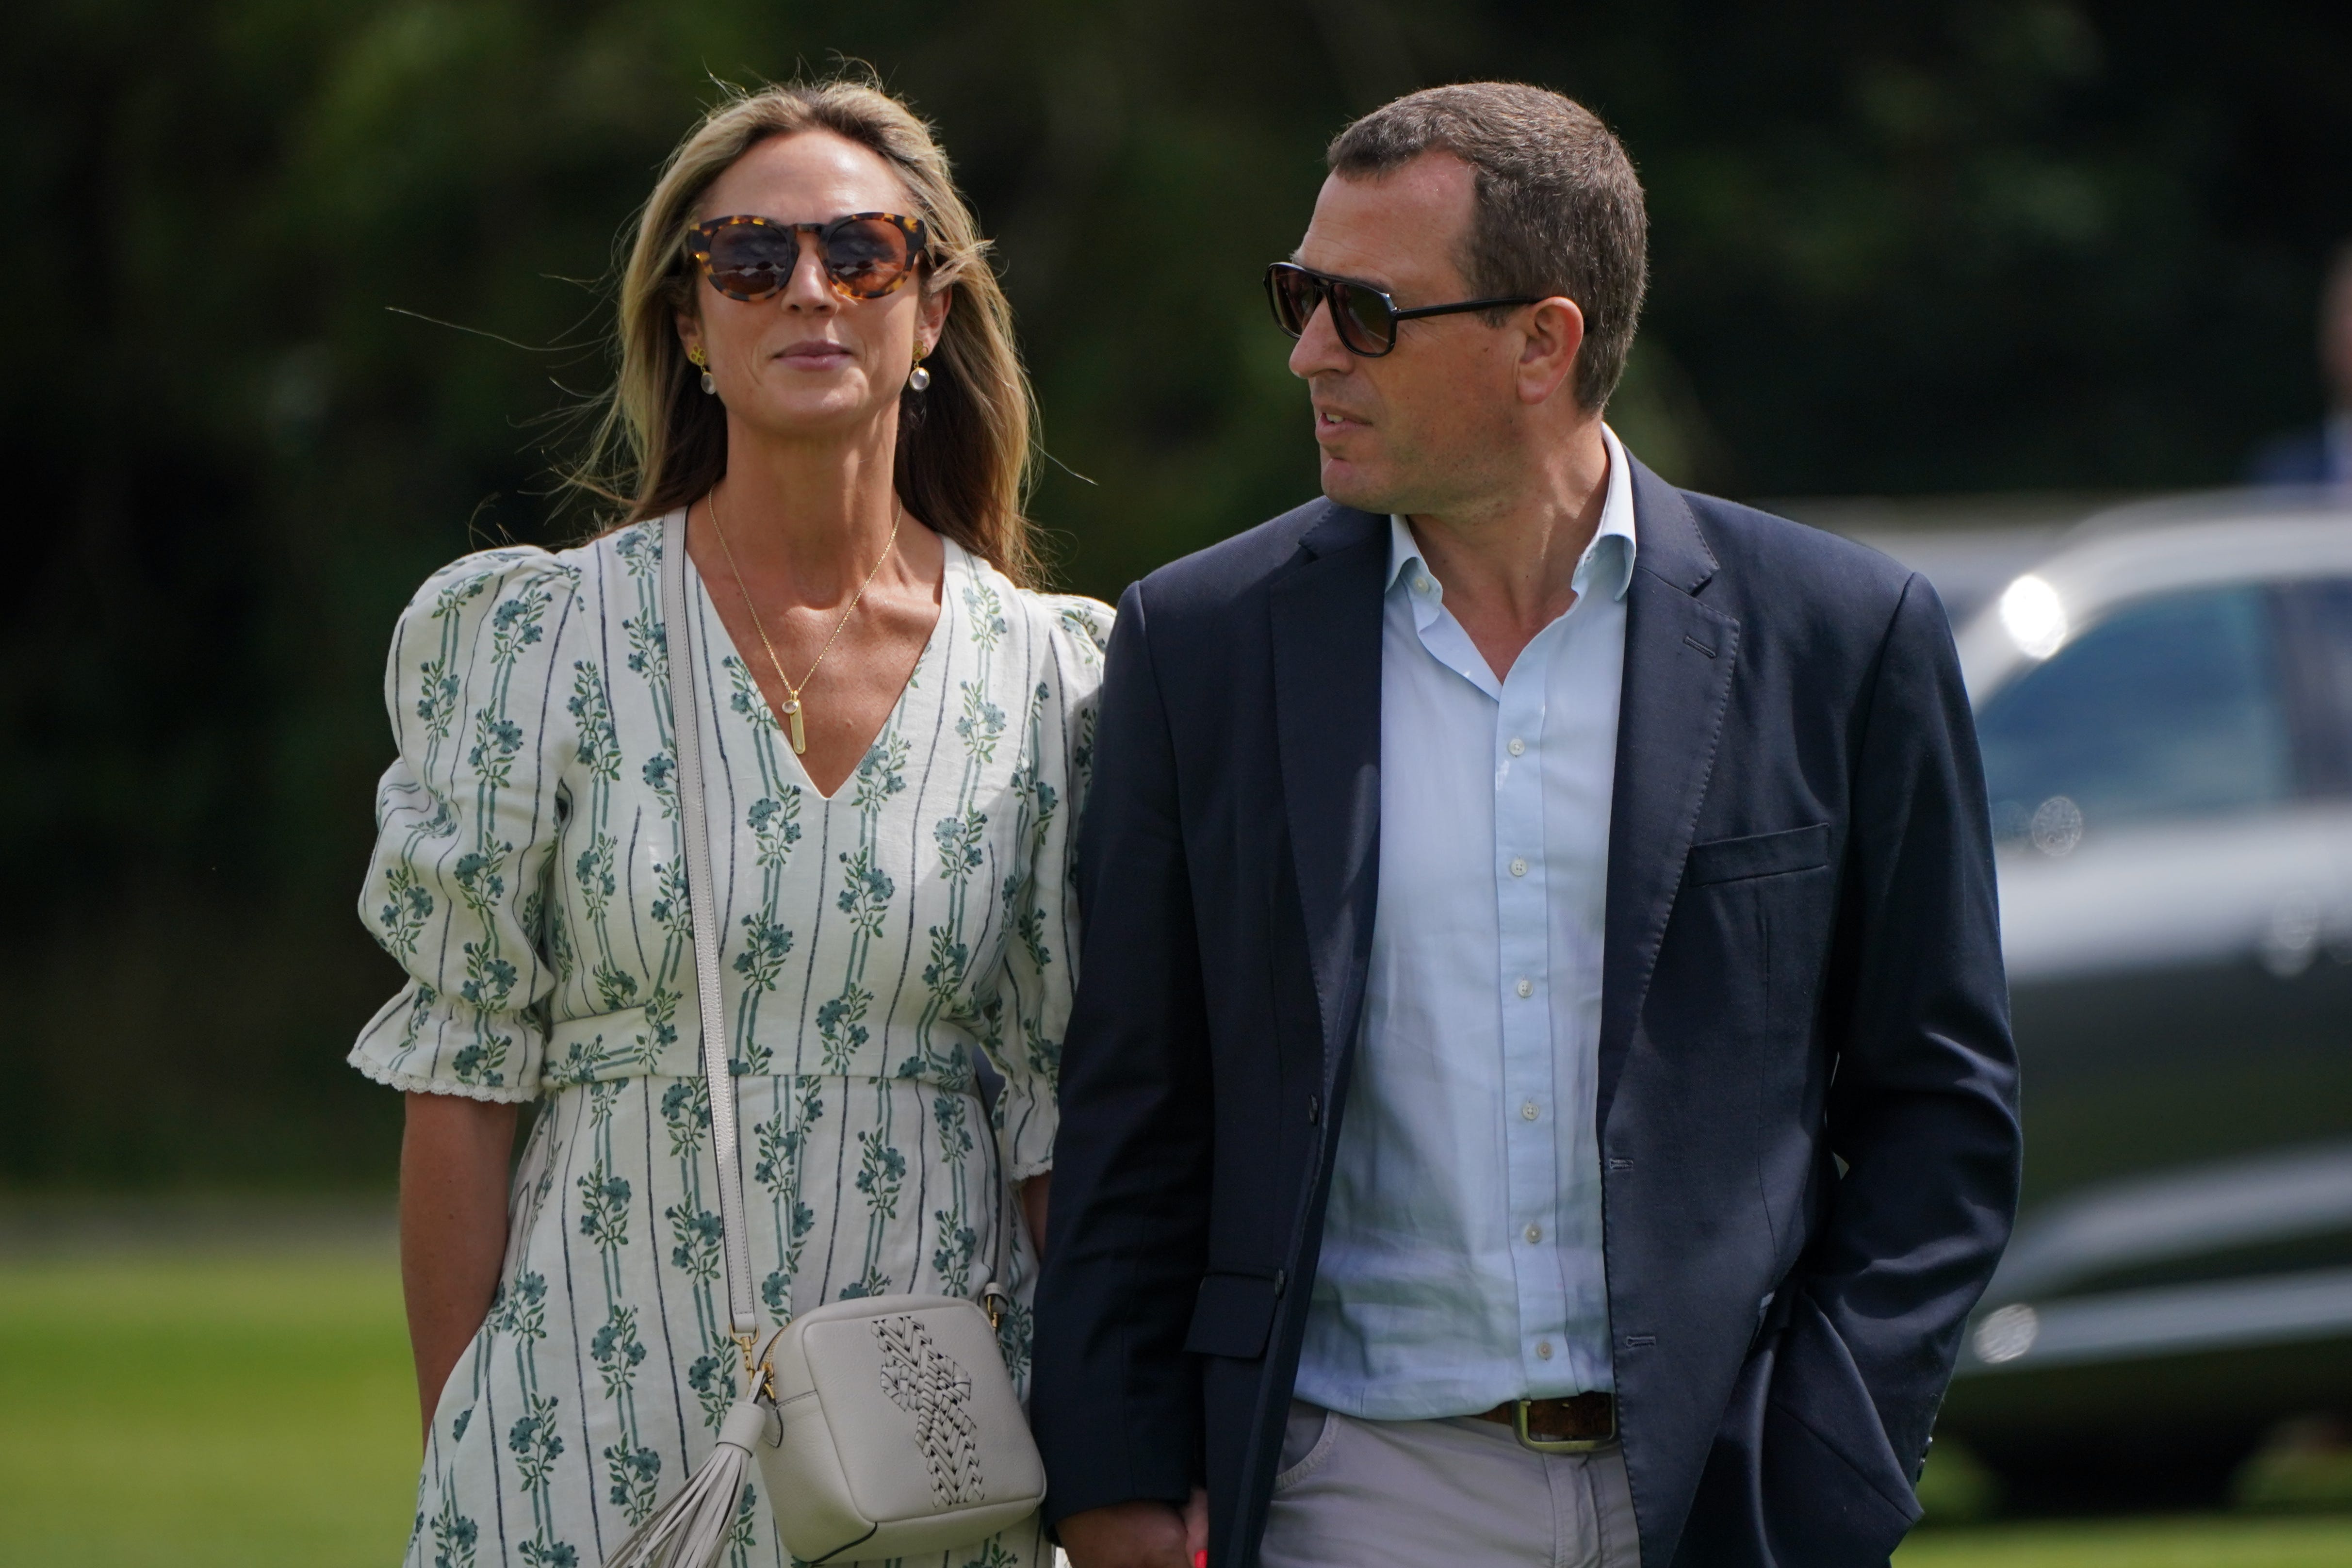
{"x":1547,"y":353}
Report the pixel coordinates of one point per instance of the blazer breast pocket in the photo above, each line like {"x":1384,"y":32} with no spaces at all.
{"x":1758,"y":855}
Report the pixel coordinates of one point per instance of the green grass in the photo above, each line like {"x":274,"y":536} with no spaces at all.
{"x":2252,"y":1543}
{"x":183,"y":1412}
{"x":254,"y":1409}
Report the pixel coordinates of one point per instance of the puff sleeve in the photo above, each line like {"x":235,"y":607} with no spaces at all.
{"x":466,"y":821}
{"x":1040,"y":970}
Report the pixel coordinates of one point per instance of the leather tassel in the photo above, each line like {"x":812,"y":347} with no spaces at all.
{"x":692,"y":1528}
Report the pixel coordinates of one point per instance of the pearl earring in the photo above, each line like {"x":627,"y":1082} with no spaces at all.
{"x":702,"y":364}
{"x":918,"y":378}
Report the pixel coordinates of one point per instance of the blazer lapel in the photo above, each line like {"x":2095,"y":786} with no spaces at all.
{"x":1327,"y":689}
{"x":1679,"y":655}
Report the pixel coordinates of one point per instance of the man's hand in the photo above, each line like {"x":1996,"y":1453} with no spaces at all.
{"x":1140,"y":1534}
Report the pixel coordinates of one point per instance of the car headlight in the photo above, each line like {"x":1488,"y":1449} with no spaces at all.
{"x":2034,"y":617}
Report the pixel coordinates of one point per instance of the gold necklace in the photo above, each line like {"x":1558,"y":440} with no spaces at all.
{"x":792,"y":692}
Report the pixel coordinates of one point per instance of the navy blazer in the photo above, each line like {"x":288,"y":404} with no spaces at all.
{"x":1807,"y":1101}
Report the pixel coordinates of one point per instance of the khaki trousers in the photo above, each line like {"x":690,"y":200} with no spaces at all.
{"x":1431,"y":1494}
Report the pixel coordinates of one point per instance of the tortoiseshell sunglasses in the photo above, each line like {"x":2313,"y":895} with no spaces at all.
{"x":865,"y":255}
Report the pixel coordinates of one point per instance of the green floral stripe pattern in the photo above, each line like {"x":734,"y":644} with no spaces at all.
{"x":873,"y":946}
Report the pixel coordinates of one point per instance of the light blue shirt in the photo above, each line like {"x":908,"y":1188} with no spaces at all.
{"x":1461,"y":1263}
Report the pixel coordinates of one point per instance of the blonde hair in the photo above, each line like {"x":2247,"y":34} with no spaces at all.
{"x":963,"y":446}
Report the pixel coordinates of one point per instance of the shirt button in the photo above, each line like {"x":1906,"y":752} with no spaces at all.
{"x":1526,"y":987}
{"x":1518,"y":746}
{"x":1535,"y":1233}
{"x":1530,"y":1112}
{"x":1421,"y":585}
{"x":1543,"y":1350}
{"x":1518,"y":867}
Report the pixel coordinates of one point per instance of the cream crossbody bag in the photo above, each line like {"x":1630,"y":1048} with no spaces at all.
{"x":884,"y":1427}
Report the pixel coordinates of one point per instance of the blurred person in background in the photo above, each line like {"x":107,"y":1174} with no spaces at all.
{"x":1541,"y":1089}
{"x":2323,"y":455}
{"x":817,"y":369}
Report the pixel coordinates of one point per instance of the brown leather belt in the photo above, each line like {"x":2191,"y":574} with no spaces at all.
{"x":1577,"y":1425}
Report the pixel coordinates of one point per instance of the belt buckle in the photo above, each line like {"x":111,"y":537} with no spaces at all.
{"x":1559,"y":1445}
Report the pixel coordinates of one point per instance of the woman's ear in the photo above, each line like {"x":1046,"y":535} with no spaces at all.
{"x":932,"y":319}
{"x":689,"y":331}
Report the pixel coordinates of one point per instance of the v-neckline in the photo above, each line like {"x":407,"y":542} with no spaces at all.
{"x":952,"y":560}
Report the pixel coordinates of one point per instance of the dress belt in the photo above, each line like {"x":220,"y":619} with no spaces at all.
{"x":1576,"y":1425}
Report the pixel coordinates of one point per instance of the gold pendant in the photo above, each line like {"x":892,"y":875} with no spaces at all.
{"x":800,"y":736}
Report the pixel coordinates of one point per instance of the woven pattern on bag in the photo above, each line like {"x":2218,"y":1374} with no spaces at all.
{"x":924,"y":1382}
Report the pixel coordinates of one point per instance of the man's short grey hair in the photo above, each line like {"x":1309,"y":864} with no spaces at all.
{"x":1559,"y":208}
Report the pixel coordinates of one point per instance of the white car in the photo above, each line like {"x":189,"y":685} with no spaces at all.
{"x":2165,"y":707}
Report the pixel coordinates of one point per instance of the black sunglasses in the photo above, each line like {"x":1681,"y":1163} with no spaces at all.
{"x":865,"y":255}
{"x":1365,"y":318}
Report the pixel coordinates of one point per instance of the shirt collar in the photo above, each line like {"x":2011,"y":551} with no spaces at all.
{"x":1607,"y":563}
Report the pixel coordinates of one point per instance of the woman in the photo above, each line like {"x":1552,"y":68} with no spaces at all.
{"x":817,"y":369}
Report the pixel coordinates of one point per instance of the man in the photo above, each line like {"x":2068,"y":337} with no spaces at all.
{"x":1540,"y":1088}
{"x":2322,"y":456}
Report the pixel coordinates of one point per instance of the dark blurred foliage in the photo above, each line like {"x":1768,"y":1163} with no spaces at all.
{"x":1947,"y":244}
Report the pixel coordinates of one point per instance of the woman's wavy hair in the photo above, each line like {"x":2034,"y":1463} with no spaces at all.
{"x":963,"y":446}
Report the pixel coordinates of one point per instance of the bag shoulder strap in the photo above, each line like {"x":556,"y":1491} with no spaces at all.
{"x":694,"y":828}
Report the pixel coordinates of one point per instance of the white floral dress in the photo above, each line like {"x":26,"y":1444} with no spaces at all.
{"x":528,"y":876}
